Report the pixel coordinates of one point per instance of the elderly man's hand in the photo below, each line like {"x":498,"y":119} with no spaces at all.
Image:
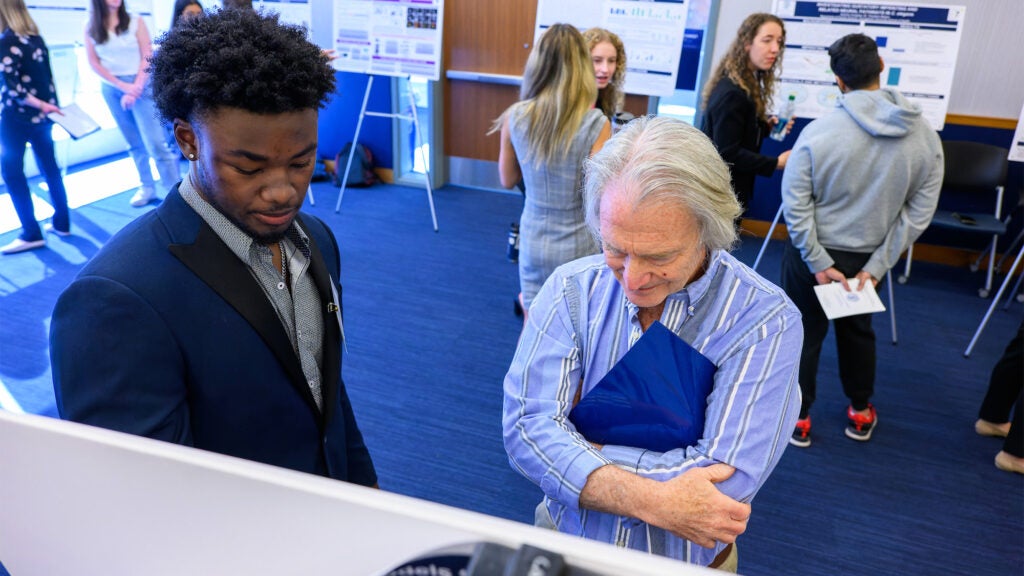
{"x":692,"y":507}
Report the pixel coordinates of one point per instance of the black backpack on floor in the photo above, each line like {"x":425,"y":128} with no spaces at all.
{"x":361,"y":172}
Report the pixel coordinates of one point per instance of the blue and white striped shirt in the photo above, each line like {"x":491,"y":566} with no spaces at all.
{"x":745,"y":325}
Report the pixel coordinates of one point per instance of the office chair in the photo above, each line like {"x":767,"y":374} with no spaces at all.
{"x":975,"y":173}
{"x":888,"y":273}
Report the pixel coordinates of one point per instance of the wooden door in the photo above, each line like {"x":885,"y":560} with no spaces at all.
{"x":488,"y":37}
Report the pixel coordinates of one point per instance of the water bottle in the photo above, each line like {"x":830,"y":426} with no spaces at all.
{"x":779,"y":131}
{"x":512,"y":250}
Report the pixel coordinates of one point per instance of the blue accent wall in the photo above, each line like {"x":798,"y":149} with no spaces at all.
{"x":338,"y":120}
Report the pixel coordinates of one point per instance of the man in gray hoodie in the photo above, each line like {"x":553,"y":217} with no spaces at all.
{"x":861,"y":185}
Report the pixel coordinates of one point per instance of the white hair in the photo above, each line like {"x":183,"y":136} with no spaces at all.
{"x":661,"y":159}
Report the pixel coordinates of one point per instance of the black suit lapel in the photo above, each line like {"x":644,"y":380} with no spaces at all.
{"x":330,"y":369}
{"x":213,"y":262}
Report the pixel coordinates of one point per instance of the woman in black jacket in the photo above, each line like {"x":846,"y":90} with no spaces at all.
{"x":737,"y":99}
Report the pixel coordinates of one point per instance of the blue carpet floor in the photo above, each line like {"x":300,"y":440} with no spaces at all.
{"x":431,"y":332}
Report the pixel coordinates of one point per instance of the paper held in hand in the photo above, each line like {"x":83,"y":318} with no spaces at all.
{"x":77,"y":123}
{"x":837,"y":302}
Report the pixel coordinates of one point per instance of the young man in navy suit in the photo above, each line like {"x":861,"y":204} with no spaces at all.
{"x":214,"y":321}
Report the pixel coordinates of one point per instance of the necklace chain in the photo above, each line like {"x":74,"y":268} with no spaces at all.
{"x":284,"y":260}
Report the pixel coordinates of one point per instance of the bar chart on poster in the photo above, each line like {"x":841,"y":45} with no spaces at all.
{"x":917,"y":42}
{"x":652,"y":32}
{"x":389,"y":37}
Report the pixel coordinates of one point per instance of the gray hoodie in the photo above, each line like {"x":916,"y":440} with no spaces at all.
{"x":864,"y":178}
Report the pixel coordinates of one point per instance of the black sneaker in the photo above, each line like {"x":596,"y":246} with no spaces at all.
{"x":801,"y":433}
{"x":860,"y":427}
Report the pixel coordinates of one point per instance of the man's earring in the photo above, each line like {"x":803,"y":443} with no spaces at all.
{"x":191,"y":156}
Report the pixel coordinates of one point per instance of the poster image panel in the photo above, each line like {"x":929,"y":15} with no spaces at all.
{"x":651,"y":31}
{"x":918,"y":43}
{"x":389,"y":37}
{"x":298,"y":12}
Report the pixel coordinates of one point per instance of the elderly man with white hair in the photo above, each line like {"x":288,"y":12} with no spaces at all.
{"x":658,"y":198}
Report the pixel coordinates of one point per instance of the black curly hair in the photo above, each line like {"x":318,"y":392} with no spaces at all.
{"x":238,"y":59}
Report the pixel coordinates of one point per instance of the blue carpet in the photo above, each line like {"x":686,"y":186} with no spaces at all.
{"x":431,"y":332}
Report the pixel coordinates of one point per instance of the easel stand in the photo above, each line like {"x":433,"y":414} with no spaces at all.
{"x":995,"y":300}
{"x":419,"y":140}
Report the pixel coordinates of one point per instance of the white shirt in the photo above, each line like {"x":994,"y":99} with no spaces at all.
{"x":120,"y":54}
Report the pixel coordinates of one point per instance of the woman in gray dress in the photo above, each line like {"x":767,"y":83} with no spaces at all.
{"x":545,"y":137}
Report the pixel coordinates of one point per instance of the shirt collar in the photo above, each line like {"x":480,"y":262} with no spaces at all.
{"x":692,"y":293}
{"x":237,"y":240}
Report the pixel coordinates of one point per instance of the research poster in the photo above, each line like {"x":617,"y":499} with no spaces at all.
{"x":651,"y":31}
{"x":297,"y":12}
{"x":392,"y":37}
{"x":918,"y":43}
{"x":1017,"y":147}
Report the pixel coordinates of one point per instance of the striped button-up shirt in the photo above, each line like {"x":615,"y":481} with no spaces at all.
{"x":581,"y":324}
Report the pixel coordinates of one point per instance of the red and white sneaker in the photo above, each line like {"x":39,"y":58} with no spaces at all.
{"x":801,"y":433}
{"x":860,"y":427}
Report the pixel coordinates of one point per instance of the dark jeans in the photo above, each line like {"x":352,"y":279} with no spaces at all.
{"x":855,"y":338}
{"x":1004,"y":390}
{"x":14,"y":135}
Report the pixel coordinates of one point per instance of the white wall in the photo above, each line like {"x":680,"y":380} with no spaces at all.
{"x":989,"y":77}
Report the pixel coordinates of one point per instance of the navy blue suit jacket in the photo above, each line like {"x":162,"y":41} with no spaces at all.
{"x":166,"y":334}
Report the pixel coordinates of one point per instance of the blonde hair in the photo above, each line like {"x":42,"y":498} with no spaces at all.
{"x":759,"y":86}
{"x":557,"y":92}
{"x":14,"y":15}
{"x":611,"y":97}
{"x":660,"y":159}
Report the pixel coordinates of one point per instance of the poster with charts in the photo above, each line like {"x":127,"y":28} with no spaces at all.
{"x":652,"y":32}
{"x":389,"y":37}
{"x":298,"y":12}
{"x":918,"y":43}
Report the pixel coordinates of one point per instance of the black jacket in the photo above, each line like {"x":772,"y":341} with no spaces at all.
{"x":730,"y":120}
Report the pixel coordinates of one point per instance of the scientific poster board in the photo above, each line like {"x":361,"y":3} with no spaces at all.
{"x":918,"y":42}
{"x":83,"y":500}
{"x":389,"y":37}
{"x":652,"y":32}
{"x":297,"y":12}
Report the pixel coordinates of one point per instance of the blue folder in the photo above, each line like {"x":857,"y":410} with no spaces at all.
{"x":653,"y":398}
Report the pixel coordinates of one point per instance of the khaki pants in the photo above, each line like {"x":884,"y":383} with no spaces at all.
{"x":728,"y":560}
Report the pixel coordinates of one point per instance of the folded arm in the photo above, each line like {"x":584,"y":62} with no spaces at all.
{"x":799,"y":210}
{"x":914,"y":217}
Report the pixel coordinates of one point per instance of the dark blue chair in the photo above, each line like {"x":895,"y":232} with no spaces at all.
{"x":974,"y":179}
